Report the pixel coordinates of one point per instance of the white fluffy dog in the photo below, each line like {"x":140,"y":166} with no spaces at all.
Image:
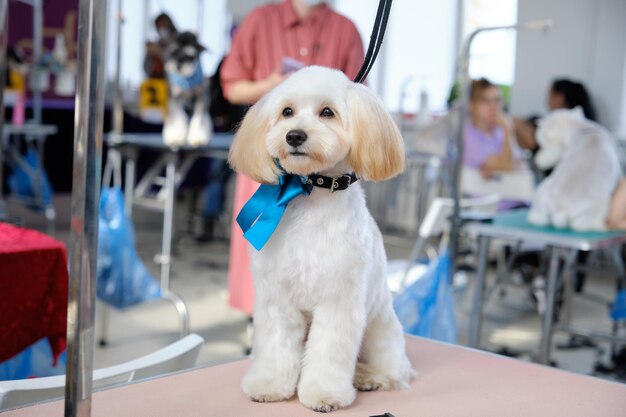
{"x":323,"y":315}
{"x":577,"y":194}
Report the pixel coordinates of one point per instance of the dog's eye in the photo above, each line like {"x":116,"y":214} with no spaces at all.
{"x":326,"y":112}
{"x":287,"y":112}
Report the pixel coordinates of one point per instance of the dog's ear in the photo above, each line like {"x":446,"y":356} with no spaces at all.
{"x":248,"y":154}
{"x":378,"y":150}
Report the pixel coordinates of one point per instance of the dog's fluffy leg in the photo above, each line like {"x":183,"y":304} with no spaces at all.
{"x":593,"y":218}
{"x":176,"y":125}
{"x":383,"y":364}
{"x":331,"y":352}
{"x":200,"y":126}
{"x":279,"y":331}
{"x":539,"y":213}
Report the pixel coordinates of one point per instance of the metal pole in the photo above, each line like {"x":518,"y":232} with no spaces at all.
{"x":475,"y":327}
{"x":37,"y":54}
{"x":457,"y":152}
{"x":458,"y":146}
{"x":85,"y":195}
{"x":118,"y":107}
{"x":548,"y":316}
{"x":200,"y":17}
{"x":3,"y":69}
{"x":168,"y":219}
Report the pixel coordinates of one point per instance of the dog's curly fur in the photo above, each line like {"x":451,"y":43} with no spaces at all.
{"x":323,"y":315}
{"x":577,"y":194}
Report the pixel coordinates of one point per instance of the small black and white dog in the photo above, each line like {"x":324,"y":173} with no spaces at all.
{"x":187,"y":89}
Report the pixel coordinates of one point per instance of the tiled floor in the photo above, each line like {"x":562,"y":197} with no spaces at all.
{"x":199,"y":277}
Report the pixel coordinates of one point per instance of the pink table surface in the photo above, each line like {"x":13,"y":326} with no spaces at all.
{"x":454,"y":381}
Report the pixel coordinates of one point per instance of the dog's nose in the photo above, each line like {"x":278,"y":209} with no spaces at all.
{"x":296,"y":137}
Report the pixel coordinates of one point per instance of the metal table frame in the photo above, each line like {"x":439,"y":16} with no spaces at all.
{"x":175,"y":163}
{"x":558,"y":246}
{"x":35,"y":136}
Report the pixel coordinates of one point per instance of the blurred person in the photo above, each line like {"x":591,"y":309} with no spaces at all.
{"x":154,"y":62}
{"x":272,"y":41}
{"x":488,"y":133}
{"x":563,"y":94}
{"x":617,"y":212}
{"x":226,"y":116}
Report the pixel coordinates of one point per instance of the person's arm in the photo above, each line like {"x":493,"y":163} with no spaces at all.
{"x":237,"y":73}
{"x":503,"y":161}
{"x":248,"y":92}
{"x":525,"y":133}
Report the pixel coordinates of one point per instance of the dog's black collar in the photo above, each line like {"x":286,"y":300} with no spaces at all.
{"x":334,"y":184}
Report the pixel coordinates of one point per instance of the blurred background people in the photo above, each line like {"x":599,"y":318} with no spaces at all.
{"x":563,"y":94}
{"x":153,"y":64}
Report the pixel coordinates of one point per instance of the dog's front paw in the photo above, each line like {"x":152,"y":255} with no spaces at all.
{"x":175,"y":130}
{"x":199,"y":131}
{"x":365,"y":379}
{"x":368,"y":379}
{"x":267,"y":388}
{"x":538,"y":217}
{"x":324,"y":398}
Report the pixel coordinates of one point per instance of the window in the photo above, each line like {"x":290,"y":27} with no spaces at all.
{"x":493,"y":53}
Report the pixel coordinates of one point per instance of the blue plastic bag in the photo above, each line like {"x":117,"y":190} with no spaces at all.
{"x":21,"y":184}
{"x":34,"y":361}
{"x":618,"y":310}
{"x":426,"y":307}
{"x":123,"y":279}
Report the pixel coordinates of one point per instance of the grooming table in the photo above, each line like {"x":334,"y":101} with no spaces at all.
{"x":513,"y":226}
{"x":454,"y":381}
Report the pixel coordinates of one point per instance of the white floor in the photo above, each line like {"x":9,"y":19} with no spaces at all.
{"x":199,"y":277}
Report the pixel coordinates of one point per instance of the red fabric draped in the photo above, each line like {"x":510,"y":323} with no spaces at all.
{"x":33,"y":291}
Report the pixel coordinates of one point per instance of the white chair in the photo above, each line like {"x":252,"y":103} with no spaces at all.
{"x":402,"y":273}
{"x":180,"y":355}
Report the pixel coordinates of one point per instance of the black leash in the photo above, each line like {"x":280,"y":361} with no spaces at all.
{"x":376,"y":39}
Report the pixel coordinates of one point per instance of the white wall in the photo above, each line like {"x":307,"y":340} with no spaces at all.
{"x":587,"y":43}
{"x":418,"y":49}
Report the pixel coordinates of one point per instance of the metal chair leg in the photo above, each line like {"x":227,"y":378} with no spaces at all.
{"x":181,"y":309}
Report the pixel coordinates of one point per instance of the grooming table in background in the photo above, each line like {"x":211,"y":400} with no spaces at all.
{"x":513,"y":226}
{"x":454,"y":381}
{"x":156,"y":191}
{"x":35,"y":136}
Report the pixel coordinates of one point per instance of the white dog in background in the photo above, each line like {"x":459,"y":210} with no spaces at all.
{"x":577,"y":194}
{"x":323,"y":316}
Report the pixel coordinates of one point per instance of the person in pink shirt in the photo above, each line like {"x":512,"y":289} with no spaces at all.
{"x":272,"y":41}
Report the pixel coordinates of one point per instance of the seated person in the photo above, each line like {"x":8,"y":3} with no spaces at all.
{"x":488,"y":134}
{"x":563,"y":94}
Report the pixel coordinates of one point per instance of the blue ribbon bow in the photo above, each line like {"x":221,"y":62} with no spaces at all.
{"x":260,"y":216}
